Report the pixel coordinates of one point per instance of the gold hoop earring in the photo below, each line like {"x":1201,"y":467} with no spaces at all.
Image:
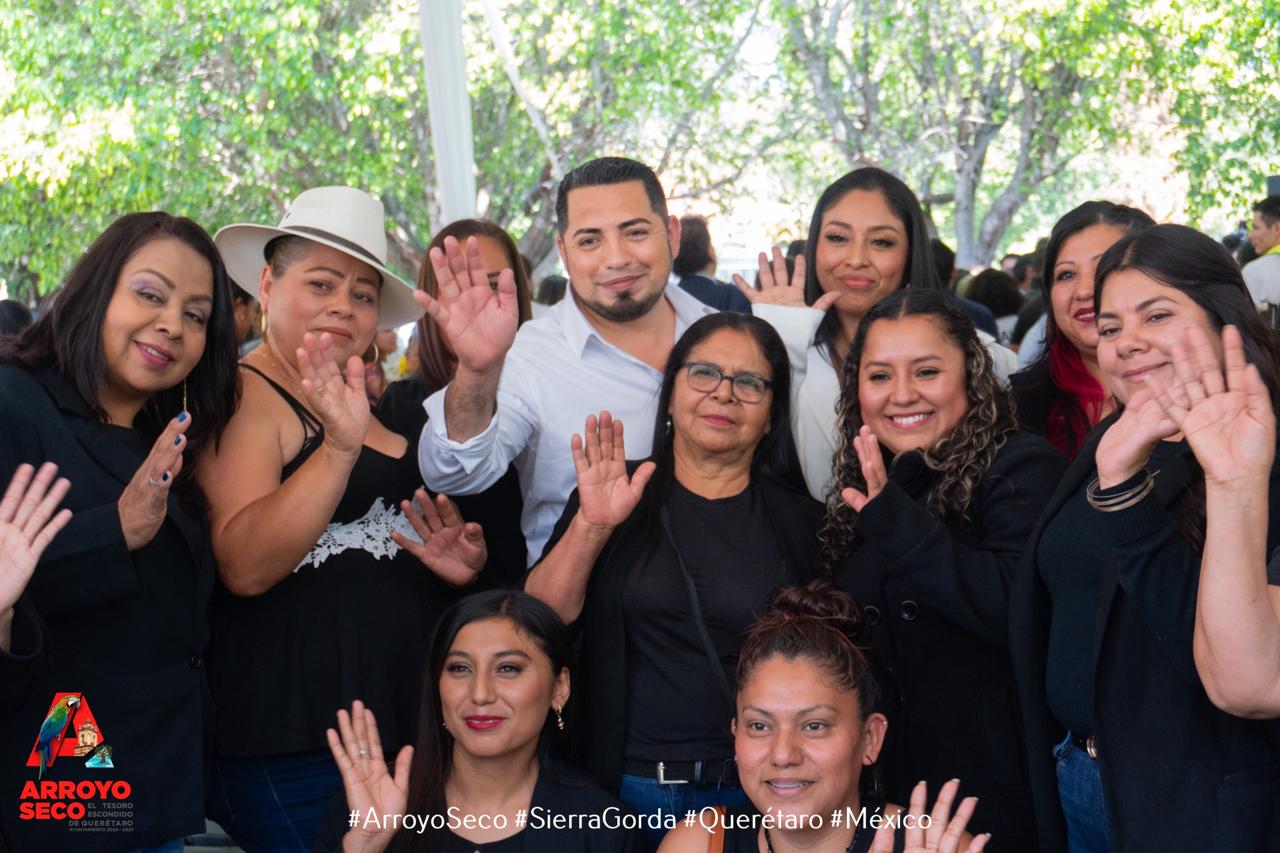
{"x":377,"y":354}
{"x":184,"y":395}
{"x":559,"y":719}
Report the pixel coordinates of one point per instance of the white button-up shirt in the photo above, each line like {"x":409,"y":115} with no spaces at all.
{"x":558,"y":371}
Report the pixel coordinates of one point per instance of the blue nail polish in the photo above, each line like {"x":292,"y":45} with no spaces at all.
{"x":182,"y":416}
{"x":177,"y":439}
{"x":165,"y":476}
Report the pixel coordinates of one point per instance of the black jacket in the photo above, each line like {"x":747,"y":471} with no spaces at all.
{"x":126,"y":630}
{"x":937,"y":595}
{"x":1177,"y":773}
{"x":600,"y":682}
{"x":722,"y":297}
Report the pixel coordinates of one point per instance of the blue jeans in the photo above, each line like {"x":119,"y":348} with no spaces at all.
{"x":274,"y":803}
{"x":647,"y":796}
{"x":1080,"y":791}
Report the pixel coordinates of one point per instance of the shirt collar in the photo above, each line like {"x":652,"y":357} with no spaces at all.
{"x":1274,"y":250}
{"x":577,"y":329}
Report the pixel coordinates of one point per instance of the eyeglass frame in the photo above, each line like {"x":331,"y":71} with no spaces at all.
{"x":733,"y":378}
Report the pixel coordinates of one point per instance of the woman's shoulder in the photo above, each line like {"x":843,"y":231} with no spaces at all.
{"x":559,"y":786}
{"x":17,"y":383}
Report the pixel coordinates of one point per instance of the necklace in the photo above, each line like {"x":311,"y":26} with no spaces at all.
{"x":265,"y":349}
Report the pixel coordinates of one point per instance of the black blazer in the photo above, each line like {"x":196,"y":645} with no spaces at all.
{"x":600,"y":683}
{"x":1177,"y":773}
{"x":125,"y":629}
{"x":936,"y":593}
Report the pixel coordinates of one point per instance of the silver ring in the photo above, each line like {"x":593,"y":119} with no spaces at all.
{"x":152,"y":480}
{"x":364,"y":753}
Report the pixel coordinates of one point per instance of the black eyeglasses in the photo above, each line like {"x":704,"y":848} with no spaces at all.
{"x":747,"y":387}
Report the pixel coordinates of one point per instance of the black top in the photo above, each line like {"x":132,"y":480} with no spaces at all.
{"x":717,"y":294}
{"x":351,"y":622}
{"x":1177,"y":773}
{"x":679,"y":711}
{"x":497,"y":509}
{"x":125,"y":631}
{"x":937,"y":595}
{"x":742,"y":833}
{"x":558,"y":792}
{"x":602,"y":680}
{"x":1073,"y":552}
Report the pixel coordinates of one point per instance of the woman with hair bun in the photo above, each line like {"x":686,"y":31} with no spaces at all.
{"x":936,"y":492}
{"x":804,"y":732}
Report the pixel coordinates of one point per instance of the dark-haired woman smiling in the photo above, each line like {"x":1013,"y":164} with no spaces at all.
{"x":126,"y":377}
{"x":493,"y":703}
{"x":1103,"y":621}
{"x":666,"y":577}
{"x":926,"y":535}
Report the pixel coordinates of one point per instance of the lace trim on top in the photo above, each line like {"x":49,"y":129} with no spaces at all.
{"x":370,"y":533}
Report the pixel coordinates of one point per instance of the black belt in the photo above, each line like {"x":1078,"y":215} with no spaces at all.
{"x":719,"y":771}
{"x":1086,"y":744}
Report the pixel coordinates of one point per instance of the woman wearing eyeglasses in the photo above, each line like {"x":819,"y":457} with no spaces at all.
{"x":667,"y":562}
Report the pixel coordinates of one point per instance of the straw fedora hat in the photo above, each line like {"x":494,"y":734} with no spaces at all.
{"x":342,"y":218}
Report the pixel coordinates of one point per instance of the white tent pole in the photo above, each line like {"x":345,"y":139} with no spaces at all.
{"x":449,"y":107}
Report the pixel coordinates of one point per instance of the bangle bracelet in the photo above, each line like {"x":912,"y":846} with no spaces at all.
{"x":1124,"y":500}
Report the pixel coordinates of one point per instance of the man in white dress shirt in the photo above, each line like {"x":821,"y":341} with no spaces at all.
{"x":1262,"y":275}
{"x":520,"y":397}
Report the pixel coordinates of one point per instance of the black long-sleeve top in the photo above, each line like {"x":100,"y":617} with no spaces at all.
{"x":1177,"y":773}
{"x":937,"y":594}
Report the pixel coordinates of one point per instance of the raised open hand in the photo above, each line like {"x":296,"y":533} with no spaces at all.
{"x":340,"y":402}
{"x":145,"y":501}
{"x":1127,"y":444}
{"x":937,"y":831}
{"x":453,"y":549}
{"x":371,"y":790}
{"x":867,"y":447}
{"x":27,"y":526}
{"x":1229,"y":422}
{"x":776,"y":288}
{"x":478,"y":321}
{"x":606,"y":496}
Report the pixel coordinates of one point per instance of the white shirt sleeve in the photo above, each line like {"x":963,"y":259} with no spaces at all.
{"x":1003,"y":359}
{"x":1262,"y":277}
{"x":471,"y":466}
{"x":796,"y":326}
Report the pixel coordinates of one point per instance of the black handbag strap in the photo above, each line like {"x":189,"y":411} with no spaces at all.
{"x":696,"y":607}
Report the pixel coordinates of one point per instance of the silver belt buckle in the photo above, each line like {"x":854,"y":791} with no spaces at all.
{"x":663,"y":780}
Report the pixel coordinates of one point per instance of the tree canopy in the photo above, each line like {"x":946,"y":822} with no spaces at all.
{"x":224,"y":110}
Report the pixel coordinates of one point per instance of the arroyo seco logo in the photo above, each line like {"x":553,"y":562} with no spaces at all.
{"x":71,"y":733}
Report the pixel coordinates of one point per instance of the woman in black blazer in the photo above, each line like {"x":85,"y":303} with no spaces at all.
{"x":1104,"y":609}
{"x":926,"y":535}
{"x":126,"y":377}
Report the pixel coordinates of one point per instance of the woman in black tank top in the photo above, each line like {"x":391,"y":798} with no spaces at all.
{"x":333,"y":561}
{"x":804,"y":732}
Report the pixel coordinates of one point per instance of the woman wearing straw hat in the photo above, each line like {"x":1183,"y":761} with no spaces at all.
{"x":333,"y":560}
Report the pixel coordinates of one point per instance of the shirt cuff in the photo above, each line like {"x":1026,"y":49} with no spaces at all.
{"x":1139,"y":521}
{"x":792,"y":322}
{"x":439,"y":429}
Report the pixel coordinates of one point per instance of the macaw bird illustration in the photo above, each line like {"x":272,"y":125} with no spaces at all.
{"x":52,"y":728}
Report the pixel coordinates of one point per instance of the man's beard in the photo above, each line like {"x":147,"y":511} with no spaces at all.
{"x":626,"y":308}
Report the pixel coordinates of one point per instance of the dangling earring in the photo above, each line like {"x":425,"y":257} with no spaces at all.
{"x":559,"y":719}
{"x":377,"y":354}
{"x":184,"y":395}
{"x":668,"y":425}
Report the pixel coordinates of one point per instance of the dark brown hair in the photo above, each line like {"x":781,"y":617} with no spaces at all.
{"x":819,"y":622}
{"x":437,"y":363}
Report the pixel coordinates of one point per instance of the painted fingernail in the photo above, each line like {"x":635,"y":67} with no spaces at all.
{"x":182,"y":416}
{"x":177,"y":439}
{"x":165,"y":476}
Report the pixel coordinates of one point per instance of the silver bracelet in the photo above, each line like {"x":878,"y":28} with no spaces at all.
{"x":1124,"y":500}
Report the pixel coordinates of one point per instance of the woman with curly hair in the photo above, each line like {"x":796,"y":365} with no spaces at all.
{"x":935,"y":495}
